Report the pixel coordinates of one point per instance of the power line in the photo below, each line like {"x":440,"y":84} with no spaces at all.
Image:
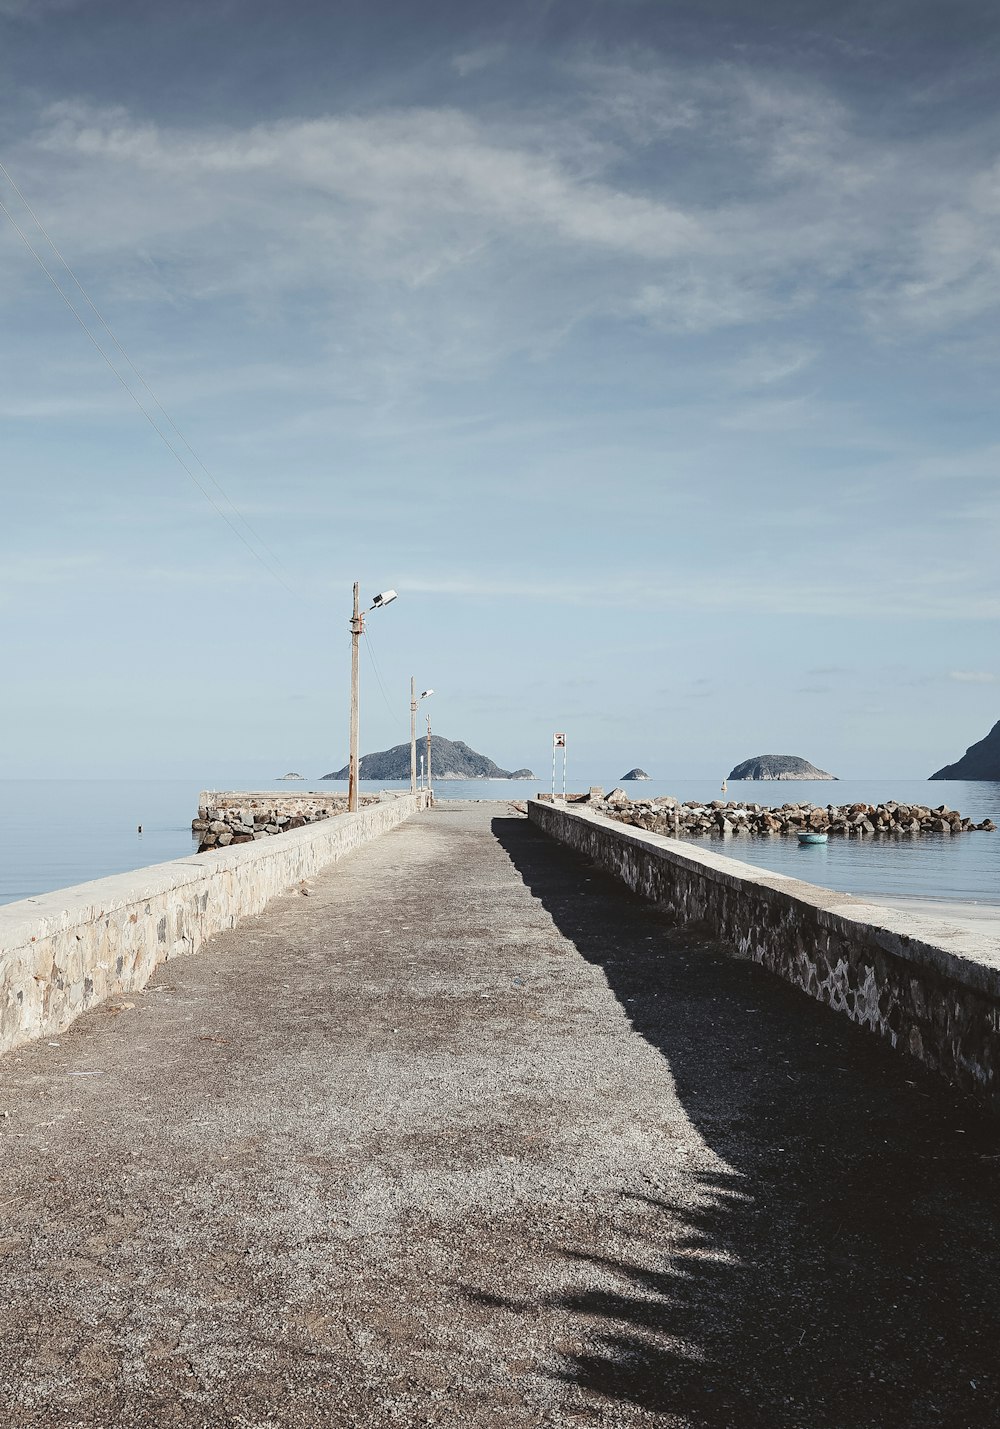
{"x":114,"y":338}
{"x":272,"y":569}
{"x":378,"y":676}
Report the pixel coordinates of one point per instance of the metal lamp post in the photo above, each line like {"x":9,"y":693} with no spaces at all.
{"x":357,"y":630}
{"x":413,"y":731}
{"x":430,"y":786}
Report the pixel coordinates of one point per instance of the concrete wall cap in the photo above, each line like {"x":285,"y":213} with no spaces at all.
{"x":31,"y":919}
{"x":970,"y":958}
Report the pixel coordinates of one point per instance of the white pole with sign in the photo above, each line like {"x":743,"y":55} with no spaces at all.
{"x":559,"y":742}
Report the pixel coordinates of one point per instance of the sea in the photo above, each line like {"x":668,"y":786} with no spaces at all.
{"x":54,"y":834}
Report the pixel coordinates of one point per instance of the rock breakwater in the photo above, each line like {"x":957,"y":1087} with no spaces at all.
{"x":668,"y":816}
{"x":225,"y":819}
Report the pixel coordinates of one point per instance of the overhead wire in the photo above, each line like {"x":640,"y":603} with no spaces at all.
{"x":114,"y":338}
{"x":273,"y":568}
{"x":272,"y":564}
{"x":378,"y":676}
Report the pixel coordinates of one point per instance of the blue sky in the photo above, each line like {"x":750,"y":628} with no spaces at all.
{"x":649,"y":350}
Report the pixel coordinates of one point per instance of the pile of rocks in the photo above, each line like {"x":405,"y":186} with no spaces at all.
{"x":669,"y":816}
{"x":222,"y":824}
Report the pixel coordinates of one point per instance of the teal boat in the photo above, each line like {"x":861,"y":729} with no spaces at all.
{"x":812,"y":838}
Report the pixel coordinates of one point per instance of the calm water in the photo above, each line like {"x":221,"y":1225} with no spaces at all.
{"x":54,"y":834}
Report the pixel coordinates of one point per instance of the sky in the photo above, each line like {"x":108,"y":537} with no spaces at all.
{"x":649,"y":350}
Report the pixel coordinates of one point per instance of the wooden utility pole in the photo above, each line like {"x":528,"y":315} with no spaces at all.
{"x":357,"y":626}
{"x":430,"y":789}
{"x":413,"y":736}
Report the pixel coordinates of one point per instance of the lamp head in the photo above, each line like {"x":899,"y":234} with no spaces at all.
{"x":425,"y":693}
{"x":385,"y":598}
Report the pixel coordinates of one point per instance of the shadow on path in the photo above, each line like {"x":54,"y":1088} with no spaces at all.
{"x":845,"y":1269}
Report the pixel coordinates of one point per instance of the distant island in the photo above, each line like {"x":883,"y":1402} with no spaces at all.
{"x":980,"y":761}
{"x":450,"y":759}
{"x":636,"y":773}
{"x":291,"y":776}
{"x":778,"y":766}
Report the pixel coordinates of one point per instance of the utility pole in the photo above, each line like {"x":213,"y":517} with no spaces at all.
{"x":357,"y":626}
{"x":430,"y":788}
{"x":413,"y":735}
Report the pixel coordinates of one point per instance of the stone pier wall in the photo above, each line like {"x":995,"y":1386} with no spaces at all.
{"x":930,"y":990}
{"x":63,"y":953}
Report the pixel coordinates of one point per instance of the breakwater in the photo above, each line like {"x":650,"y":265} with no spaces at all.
{"x":235,"y":817}
{"x":668,"y":816}
{"x":931,"y":990}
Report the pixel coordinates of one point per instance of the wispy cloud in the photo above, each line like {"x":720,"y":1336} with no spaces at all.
{"x":898,"y":596}
{"x":973,"y":677}
{"x":36,"y":9}
{"x":483,"y":57}
{"x":563,"y":203}
{"x":771,"y":364}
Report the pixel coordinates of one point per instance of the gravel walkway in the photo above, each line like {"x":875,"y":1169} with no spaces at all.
{"x":469,"y":1137}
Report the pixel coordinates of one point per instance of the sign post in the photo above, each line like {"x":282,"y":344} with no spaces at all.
{"x":559,"y":742}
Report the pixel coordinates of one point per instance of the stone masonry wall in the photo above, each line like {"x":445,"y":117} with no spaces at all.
{"x":930,"y":990}
{"x":63,"y":953}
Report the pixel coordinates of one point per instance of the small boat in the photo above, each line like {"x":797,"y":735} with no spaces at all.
{"x":812,"y":837}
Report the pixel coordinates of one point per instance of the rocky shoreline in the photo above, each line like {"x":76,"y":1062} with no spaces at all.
{"x":668,"y":816}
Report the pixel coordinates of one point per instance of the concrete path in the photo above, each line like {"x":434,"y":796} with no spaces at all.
{"x":470,"y":1137}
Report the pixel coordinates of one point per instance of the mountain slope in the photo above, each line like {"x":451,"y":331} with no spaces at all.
{"x":980,"y":760}
{"x":450,"y":759}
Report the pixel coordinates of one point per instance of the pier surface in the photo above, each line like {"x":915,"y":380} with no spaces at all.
{"x":469,"y":1136}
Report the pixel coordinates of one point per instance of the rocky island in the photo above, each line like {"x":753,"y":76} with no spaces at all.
{"x":778,"y":766}
{"x":980,"y":760}
{"x":450,"y":759}
{"x":636,"y":773}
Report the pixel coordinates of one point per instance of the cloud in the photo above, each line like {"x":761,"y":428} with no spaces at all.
{"x":973,"y":677}
{"x":472,"y":61}
{"x":36,"y":9}
{"x":771,"y":364}
{"x":39,"y":572}
{"x":568,"y":197}
{"x":413,"y":166}
{"x":898,"y":595}
{"x":388,"y":250}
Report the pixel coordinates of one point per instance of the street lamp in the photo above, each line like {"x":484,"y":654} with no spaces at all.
{"x":430,"y":785}
{"x":357,"y":630}
{"x":413,"y":731}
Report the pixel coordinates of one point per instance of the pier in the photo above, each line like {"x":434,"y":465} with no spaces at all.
{"x":461,"y":1132}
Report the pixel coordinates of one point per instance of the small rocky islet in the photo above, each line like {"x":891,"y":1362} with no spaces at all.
{"x":777,"y":766}
{"x":669,"y":816}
